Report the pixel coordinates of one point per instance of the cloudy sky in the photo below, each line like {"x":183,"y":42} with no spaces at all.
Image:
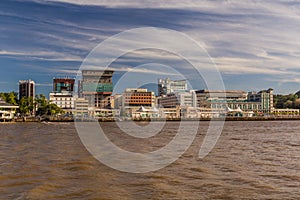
{"x":254,"y":44}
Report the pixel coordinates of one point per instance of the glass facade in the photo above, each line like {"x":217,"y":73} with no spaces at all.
{"x":97,"y":87}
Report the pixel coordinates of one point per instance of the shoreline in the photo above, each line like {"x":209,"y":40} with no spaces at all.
{"x":54,"y":119}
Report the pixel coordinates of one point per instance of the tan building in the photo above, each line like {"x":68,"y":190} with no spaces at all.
{"x":134,"y":98}
{"x":170,"y":113}
{"x":81,"y":107}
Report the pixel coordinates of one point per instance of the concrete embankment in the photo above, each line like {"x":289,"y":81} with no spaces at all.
{"x":110,"y":119}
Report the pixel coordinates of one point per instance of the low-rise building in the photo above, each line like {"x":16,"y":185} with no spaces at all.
{"x":7,"y":111}
{"x":170,"y":113}
{"x":201,"y":112}
{"x":144,"y":113}
{"x":286,"y":112}
{"x":260,"y":102}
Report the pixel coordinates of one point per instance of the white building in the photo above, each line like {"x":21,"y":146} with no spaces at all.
{"x":166,"y":86}
{"x":64,"y":100}
{"x":7,"y":111}
{"x":258,"y":102}
{"x":172,"y":100}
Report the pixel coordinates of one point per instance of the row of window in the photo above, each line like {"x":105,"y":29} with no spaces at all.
{"x":63,"y":99}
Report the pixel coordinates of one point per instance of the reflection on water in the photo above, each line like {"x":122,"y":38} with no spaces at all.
{"x":252,"y":160}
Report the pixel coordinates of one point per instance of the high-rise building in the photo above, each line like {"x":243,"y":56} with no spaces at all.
{"x":26,"y":89}
{"x":96,"y":86}
{"x":63,"y":84}
{"x":166,"y":86}
{"x":62,"y":94}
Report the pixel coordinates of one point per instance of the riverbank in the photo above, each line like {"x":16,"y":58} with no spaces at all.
{"x":111,"y":119}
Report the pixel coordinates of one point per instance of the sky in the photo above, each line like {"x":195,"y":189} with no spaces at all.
{"x":254,"y":44}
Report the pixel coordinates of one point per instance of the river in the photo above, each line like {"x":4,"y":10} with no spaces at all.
{"x":251,"y":160}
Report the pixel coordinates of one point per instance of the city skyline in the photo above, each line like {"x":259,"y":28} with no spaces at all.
{"x":254,"y":44}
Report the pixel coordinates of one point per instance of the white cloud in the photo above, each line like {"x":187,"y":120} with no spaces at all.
{"x":243,"y":37}
{"x":41,"y":55}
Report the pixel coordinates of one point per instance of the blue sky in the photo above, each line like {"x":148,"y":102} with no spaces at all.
{"x":255,"y":44}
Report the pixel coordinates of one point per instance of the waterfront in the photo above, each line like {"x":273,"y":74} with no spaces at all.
{"x":252,"y":160}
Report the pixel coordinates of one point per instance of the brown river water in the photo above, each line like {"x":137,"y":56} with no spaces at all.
{"x":251,"y":160}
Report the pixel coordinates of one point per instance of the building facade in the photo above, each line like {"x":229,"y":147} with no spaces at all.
{"x":63,"y":94}
{"x":64,"y":100}
{"x":260,"y":102}
{"x":63,"y":85}
{"x":81,"y":108}
{"x":26,"y":89}
{"x":134,"y":98}
{"x":166,"y":86}
{"x":116,"y":101}
{"x":172,"y":100}
{"x":265,"y":97}
{"x":96,"y":86}
{"x":7,"y":111}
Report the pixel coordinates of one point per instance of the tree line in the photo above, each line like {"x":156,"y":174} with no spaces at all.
{"x":38,"y":106}
{"x":287,"y":101}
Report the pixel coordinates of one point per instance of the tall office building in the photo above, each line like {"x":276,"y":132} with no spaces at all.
{"x":167,"y":86}
{"x":26,"y":89}
{"x":96,"y":86}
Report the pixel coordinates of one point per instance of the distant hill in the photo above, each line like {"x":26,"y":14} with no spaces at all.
{"x":287,"y":101}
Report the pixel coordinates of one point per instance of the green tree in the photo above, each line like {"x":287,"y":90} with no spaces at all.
{"x":10,"y":97}
{"x":53,"y":109}
{"x":286,"y":101}
{"x":26,"y":105}
{"x":41,"y":104}
{"x":44,"y":107}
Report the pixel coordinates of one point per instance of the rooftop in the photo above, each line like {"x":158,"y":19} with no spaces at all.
{"x":4,"y":104}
